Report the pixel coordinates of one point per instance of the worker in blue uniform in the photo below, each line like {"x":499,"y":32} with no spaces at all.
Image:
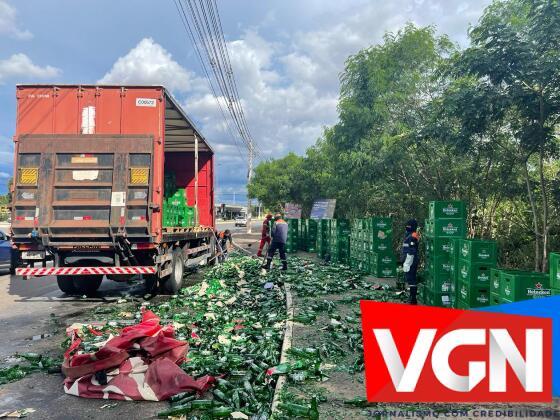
{"x":410,"y":257}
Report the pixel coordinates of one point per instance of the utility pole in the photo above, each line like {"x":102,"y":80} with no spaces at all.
{"x":249,"y":177}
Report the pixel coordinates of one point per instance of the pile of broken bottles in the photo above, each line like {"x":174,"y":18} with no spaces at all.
{"x":233,"y":322}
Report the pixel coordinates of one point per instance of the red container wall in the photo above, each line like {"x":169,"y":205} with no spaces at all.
{"x":60,"y":110}
{"x":182,"y":165}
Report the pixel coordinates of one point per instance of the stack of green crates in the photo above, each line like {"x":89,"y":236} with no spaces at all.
{"x":323,"y":228}
{"x":311,"y":231}
{"x":339,"y":241}
{"x":382,"y":262}
{"x":446,"y":224}
{"x":292,"y":244}
{"x":176,"y":212}
{"x":476,"y":260}
{"x":554,"y":263}
{"x":371,"y":246}
{"x":507,"y":286}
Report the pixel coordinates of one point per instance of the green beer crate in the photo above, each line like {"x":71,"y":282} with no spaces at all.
{"x":446,"y":228}
{"x":473,"y":273}
{"x":495,"y":275}
{"x":383,"y":265}
{"x":555,"y":292}
{"x":439,"y":299}
{"x":478,"y":251}
{"x":381,"y":223}
{"x":440,"y":283}
{"x":439,"y":265}
{"x":461,"y":304}
{"x":522,"y":286}
{"x":439,"y":246}
{"x":495,"y":299}
{"x":474,"y":295}
{"x":554,"y":264}
{"x":447,"y":209}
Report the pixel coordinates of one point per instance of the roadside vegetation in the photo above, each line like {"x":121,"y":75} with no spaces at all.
{"x":421,"y":119}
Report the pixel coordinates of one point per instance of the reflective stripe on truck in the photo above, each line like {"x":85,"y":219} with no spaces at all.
{"x":84,"y":271}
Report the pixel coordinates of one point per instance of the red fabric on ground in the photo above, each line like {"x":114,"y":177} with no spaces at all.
{"x":141,"y":364}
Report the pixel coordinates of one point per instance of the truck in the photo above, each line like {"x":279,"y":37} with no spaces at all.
{"x":103,"y":176}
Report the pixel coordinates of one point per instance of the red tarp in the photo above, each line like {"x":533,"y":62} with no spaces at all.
{"x":140,"y":364}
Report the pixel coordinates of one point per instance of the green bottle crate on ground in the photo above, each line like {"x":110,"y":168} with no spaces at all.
{"x":478,"y":251}
{"x":474,"y":295}
{"x":555,"y":292}
{"x":461,"y":304}
{"x":474,"y":273}
{"x":438,"y":299}
{"x":447,"y":209}
{"x":519,"y":286}
{"x":495,"y":299}
{"x":446,"y":228}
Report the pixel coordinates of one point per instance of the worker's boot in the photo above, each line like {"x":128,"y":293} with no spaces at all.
{"x":267,"y":265}
{"x":412,"y":297}
{"x":284,"y":265}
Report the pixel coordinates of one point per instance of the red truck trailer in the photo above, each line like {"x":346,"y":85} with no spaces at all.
{"x":89,"y":187}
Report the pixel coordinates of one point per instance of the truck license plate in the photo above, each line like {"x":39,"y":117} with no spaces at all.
{"x":33,"y":255}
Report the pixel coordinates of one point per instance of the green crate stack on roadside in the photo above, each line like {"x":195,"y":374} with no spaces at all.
{"x":477,"y":260}
{"x":339,"y":241}
{"x":445,"y":226}
{"x":379,"y":241}
{"x":311,"y":235}
{"x":302,"y":235}
{"x":358,"y":252}
{"x":292,"y":244}
{"x":554,"y":264}
{"x":322,"y":237}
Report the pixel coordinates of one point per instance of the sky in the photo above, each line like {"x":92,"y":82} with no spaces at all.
{"x":286,"y":57}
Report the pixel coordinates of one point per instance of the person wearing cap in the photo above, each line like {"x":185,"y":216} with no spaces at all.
{"x":410,"y":257}
{"x":265,"y":233}
{"x":279,"y":239}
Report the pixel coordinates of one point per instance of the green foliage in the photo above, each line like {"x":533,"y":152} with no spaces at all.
{"x":420,"y":119}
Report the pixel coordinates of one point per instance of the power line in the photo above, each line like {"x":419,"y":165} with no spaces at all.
{"x":187,"y":27}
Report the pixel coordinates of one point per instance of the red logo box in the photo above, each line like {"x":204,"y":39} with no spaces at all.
{"x":425,"y":354}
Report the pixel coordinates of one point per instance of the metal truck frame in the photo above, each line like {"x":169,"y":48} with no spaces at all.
{"x":89,"y":186}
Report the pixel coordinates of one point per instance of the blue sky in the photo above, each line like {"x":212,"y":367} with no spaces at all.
{"x":286,"y":56}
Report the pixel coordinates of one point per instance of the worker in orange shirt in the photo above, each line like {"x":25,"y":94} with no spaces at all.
{"x":265,"y":233}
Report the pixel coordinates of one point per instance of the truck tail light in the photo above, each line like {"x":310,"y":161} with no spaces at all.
{"x":139,"y":176}
{"x":28,"y":176}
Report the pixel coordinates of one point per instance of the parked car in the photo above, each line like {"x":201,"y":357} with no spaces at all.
{"x":241,"y":221}
{"x":6,"y":252}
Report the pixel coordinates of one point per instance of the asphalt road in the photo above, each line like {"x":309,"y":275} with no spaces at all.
{"x":33,"y":316}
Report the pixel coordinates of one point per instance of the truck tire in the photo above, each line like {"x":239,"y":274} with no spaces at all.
{"x":87,"y":285}
{"x":173,"y":283}
{"x":66,"y":284}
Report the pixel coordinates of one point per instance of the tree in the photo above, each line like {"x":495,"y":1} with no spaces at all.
{"x":515,"y":57}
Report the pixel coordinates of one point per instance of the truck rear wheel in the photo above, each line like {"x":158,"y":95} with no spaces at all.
{"x":174,"y":282}
{"x":66,"y":284}
{"x":87,"y":284}
{"x":72,"y":285}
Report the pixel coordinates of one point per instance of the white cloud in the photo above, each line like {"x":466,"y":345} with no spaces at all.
{"x":8,"y":25}
{"x":20,"y":66}
{"x":149,"y":63}
{"x":5,"y":175}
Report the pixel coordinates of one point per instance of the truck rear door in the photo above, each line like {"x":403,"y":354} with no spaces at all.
{"x":72,"y":190}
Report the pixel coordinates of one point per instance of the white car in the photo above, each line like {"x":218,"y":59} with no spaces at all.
{"x":240,"y":221}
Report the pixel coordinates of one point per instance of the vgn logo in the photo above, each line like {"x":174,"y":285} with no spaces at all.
{"x":425,"y":354}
